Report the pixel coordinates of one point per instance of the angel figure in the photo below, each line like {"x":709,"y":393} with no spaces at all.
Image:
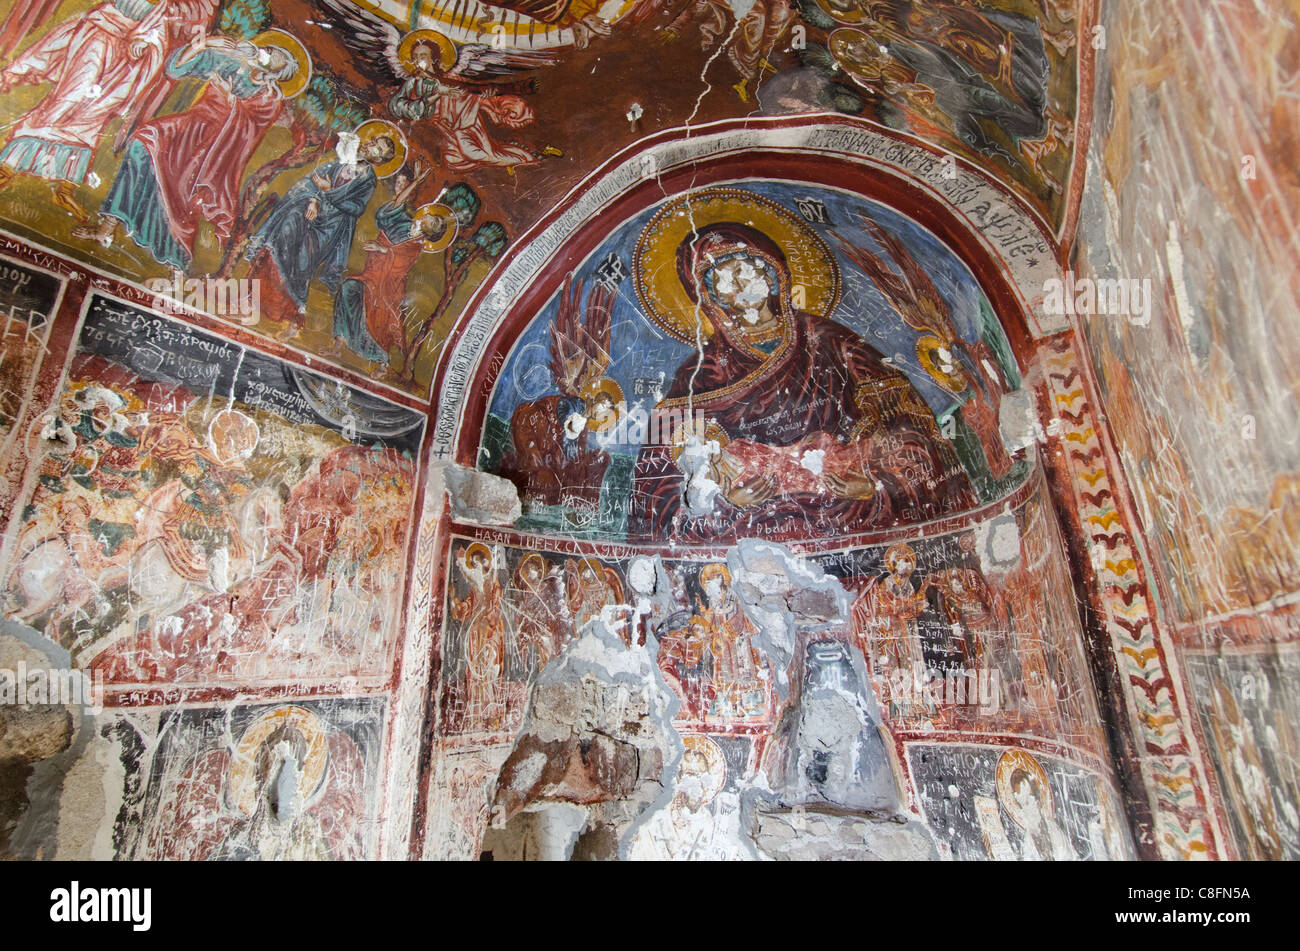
{"x":552,"y":461}
{"x":749,"y":34}
{"x":963,"y":369}
{"x":976,"y":65}
{"x":538,"y":610}
{"x":457,"y":91}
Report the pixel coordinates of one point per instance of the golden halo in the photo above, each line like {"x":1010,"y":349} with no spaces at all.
{"x":596,"y":567}
{"x":1011,"y":762}
{"x":857,"y":68}
{"x":291,"y":45}
{"x":927,"y":348}
{"x":529,"y":559}
{"x":373,"y":129}
{"x":243,"y":769}
{"x":835,"y":10}
{"x":232,"y":436}
{"x":654,"y":263}
{"x":477,"y":547}
{"x":445,"y":213}
{"x":714,"y":774}
{"x":446,"y":49}
{"x":615,"y":392}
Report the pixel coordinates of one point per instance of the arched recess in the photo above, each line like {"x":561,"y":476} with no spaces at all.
{"x":985,"y":589}
{"x":1008,"y":249}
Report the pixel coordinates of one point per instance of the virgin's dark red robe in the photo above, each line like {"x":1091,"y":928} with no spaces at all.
{"x":807,"y":385}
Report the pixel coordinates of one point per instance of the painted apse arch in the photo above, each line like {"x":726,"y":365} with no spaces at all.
{"x":757,"y":431}
{"x":931,"y":365}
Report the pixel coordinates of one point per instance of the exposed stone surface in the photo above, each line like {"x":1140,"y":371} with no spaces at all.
{"x":479,"y":497}
{"x":827,"y":836}
{"x":595,"y":732}
{"x":30,"y":734}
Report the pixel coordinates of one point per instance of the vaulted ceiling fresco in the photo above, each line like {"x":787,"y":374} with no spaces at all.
{"x":367,"y":162}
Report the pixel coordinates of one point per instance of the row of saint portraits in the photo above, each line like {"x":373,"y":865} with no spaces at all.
{"x":301,"y":782}
{"x":979,"y":802}
{"x":201,"y":513}
{"x":950,"y":638}
{"x":194,"y":137}
{"x":202,"y":786}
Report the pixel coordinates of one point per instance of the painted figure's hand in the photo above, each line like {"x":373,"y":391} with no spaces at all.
{"x":313,"y":209}
{"x":851,"y":485}
{"x":320,"y":181}
{"x":755,"y":493}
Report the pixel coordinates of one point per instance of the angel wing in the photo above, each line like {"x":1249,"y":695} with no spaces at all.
{"x":477,"y":62}
{"x":367,"y":34}
{"x":580,"y":346}
{"x":908,"y":288}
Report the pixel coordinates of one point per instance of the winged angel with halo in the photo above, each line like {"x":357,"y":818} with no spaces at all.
{"x":552,"y":461}
{"x":456,"y":90}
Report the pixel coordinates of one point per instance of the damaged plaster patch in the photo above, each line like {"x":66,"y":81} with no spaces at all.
{"x":477,"y":497}
{"x":38,"y":746}
{"x":778,"y":591}
{"x":592,"y":742}
{"x":805,"y":835}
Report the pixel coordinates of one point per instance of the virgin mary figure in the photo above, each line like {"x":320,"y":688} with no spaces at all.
{"x":785,"y":424}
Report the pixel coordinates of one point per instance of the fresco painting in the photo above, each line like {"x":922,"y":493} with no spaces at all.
{"x":759,"y":517}
{"x":1199,"y":392}
{"x":358,"y":158}
{"x":29,"y":299}
{"x":291,"y":782}
{"x":1012,"y":804}
{"x":995,"y":601}
{"x":1241,"y":696}
{"x":179,"y":142}
{"x":963,"y":634}
{"x":1204,"y":430}
{"x":206,"y":513}
{"x":697,"y":400}
{"x":997,"y":80}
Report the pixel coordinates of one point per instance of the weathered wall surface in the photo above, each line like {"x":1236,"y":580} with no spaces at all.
{"x":918,"y":697}
{"x":224,"y":502}
{"x":216,"y":538}
{"x":1192,"y":188}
